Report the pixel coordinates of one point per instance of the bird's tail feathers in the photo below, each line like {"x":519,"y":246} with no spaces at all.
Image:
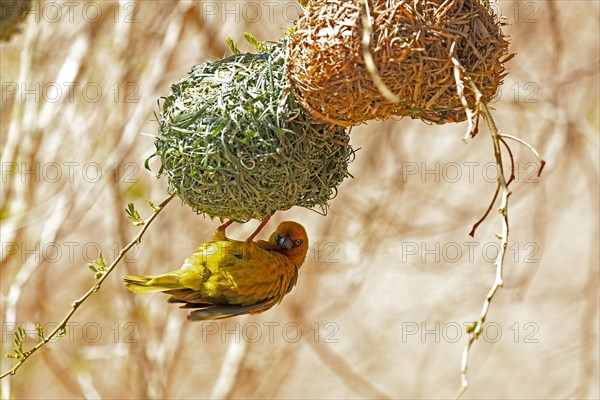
{"x":151,"y":284}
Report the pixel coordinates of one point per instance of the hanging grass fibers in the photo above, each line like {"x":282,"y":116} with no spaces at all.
{"x":410,"y":44}
{"x":12,"y":16}
{"x":235,"y":143}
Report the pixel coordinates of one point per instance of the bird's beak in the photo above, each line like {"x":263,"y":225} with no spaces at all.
{"x":285,"y":242}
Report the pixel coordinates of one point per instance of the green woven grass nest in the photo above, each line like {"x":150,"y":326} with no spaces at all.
{"x":235,"y":143}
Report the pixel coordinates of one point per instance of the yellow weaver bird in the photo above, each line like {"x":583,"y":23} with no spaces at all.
{"x":225,"y":277}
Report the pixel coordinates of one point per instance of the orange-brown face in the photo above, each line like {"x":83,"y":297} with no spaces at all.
{"x":291,"y":240}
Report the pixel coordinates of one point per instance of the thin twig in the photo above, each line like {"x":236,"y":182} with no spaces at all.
{"x":371,"y":66}
{"x":497,"y":139}
{"x":487,"y":212}
{"x":60,"y":328}
{"x":512,"y":161}
{"x":480,"y":107}
{"x":530,"y":147}
{"x":472,"y":115}
{"x":503,"y":210}
{"x":510,"y":180}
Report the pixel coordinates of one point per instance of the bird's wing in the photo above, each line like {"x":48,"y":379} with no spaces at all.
{"x":207,"y":261}
{"x":212,"y":312}
{"x":188,"y":304}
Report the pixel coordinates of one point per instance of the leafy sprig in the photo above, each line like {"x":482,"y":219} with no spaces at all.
{"x":17,"y":350}
{"x":101,"y":273}
{"x":133,"y":215}
{"x":98,"y":266}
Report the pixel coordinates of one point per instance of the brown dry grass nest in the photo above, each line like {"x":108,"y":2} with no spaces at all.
{"x":410,"y":43}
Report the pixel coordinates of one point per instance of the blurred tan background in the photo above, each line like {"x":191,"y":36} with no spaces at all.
{"x":392,"y":276}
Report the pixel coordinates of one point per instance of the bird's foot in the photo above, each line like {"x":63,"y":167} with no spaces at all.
{"x":248,"y":248}
{"x":220,"y":232}
{"x":264,"y":221}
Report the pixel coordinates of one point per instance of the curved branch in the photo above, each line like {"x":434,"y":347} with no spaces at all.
{"x":477,"y":328}
{"x":481,"y":108}
{"x":60,"y":329}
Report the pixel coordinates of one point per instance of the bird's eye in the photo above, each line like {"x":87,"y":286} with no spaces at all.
{"x":277,"y":237}
{"x":298,"y":242}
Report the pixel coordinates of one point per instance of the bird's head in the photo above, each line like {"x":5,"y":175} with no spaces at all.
{"x":291,"y":240}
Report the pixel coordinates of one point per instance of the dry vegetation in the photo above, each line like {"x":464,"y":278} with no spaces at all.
{"x":386,"y":318}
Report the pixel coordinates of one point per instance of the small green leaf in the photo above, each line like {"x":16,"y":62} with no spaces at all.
{"x":151,"y":204}
{"x":257,"y":44}
{"x":133,"y":215}
{"x":39,"y":330}
{"x":98,"y":267}
{"x":232,"y":46}
{"x":17,"y":350}
{"x":474,"y":329}
{"x":471,"y":328}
